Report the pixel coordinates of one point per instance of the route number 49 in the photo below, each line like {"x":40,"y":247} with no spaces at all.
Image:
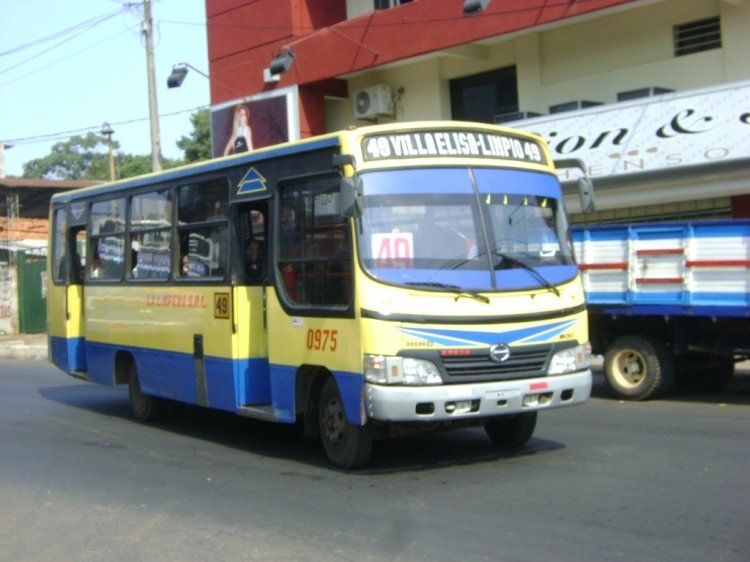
{"x":221,"y":305}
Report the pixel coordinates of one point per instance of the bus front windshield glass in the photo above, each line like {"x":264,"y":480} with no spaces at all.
{"x":481,"y":229}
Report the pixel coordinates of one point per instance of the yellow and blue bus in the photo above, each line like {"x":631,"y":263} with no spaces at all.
{"x":365,"y":283}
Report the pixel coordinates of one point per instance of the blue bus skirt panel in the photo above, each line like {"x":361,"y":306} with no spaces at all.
{"x":229,"y":383}
{"x":254,"y":384}
{"x":68,"y":353}
{"x":352,"y":390}
{"x":284,"y":384}
{"x":283,"y":388}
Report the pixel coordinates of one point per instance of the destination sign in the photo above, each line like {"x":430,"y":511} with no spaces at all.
{"x":452,"y":144}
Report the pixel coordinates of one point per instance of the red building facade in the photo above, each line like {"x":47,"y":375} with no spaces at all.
{"x":245,"y":35}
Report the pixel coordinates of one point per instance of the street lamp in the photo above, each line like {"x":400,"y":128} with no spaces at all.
{"x":179,"y":71}
{"x":107,"y":131}
{"x":282,"y":62}
{"x":474,"y":6}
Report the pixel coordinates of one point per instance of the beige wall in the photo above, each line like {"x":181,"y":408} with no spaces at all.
{"x":591,"y":59}
{"x":356,"y":8}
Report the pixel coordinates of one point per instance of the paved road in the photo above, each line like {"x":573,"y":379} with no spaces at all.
{"x":663,"y":480}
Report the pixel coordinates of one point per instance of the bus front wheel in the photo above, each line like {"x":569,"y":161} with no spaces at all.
{"x":145,"y":407}
{"x":512,"y":430}
{"x":347,"y":445}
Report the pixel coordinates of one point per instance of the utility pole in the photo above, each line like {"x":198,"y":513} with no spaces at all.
{"x":108,"y":132}
{"x":152,"y":105}
{"x":3,"y":146}
{"x":11,"y":224}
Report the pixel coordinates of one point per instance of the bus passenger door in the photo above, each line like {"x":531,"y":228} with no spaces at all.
{"x":253,"y":384}
{"x":310,"y":318}
{"x":66,"y":298}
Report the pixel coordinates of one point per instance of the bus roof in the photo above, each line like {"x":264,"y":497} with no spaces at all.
{"x":345,"y":138}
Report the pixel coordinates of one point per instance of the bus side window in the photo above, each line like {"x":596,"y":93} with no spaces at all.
{"x":203,"y":252}
{"x":107,"y":237}
{"x":58,"y":246}
{"x":315,"y":254}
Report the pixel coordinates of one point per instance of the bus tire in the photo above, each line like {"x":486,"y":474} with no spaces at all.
{"x":638,"y":368}
{"x":512,"y":430}
{"x":347,"y":445}
{"x":145,"y":408}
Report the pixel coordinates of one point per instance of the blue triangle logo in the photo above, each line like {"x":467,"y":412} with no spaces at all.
{"x":251,"y":182}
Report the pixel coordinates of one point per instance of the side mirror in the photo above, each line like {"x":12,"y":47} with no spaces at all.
{"x":586,"y":193}
{"x":584,"y":183}
{"x":350,"y":197}
{"x":350,"y":188}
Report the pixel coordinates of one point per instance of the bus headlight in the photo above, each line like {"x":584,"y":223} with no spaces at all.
{"x":382,"y":369}
{"x":571,"y":359}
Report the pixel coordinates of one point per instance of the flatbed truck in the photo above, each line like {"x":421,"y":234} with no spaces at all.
{"x":668,"y":303}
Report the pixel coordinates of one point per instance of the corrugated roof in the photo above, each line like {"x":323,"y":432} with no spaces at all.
{"x":13,"y":183}
{"x":34,"y":194}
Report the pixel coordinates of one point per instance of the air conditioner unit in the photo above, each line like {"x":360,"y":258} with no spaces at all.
{"x":373,"y":101}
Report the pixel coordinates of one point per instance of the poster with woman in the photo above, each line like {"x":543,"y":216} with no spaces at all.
{"x":253,"y":122}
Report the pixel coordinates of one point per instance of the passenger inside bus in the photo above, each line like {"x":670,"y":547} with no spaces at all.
{"x":253,"y":258}
{"x":96,"y":264}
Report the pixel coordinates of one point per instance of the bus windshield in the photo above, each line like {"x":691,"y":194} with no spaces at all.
{"x":478,"y":229}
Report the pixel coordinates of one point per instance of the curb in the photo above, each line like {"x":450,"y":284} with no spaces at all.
{"x":19,"y":348}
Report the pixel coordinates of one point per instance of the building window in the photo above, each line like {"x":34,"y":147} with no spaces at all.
{"x":697,"y":36}
{"x":385,"y":4}
{"x":483,"y":97}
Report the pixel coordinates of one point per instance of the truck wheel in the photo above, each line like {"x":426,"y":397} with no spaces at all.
{"x":511,"y":431}
{"x":638,"y":368}
{"x":347,"y":445}
{"x":703,"y":373}
{"x":145,"y":407}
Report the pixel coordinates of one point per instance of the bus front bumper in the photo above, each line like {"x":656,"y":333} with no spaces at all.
{"x":475,"y":400}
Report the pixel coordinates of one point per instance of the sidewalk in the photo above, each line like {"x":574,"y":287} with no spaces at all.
{"x":24,"y":346}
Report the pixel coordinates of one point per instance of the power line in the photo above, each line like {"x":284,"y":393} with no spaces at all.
{"x":127,"y":6}
{"x":88,"y":24}
{"x":65,"y":134}
{"x":348,"y":24}
{"x":56,"y":61}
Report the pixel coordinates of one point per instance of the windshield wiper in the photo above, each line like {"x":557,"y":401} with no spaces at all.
{"x":513,"y":262}
{"x":460,"y":292}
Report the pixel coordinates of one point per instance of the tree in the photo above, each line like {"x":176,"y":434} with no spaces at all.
{"x":87,"y":158}
{"x":197,"y":146}
{"x":130,"y":165}
{"x":79,"y":158}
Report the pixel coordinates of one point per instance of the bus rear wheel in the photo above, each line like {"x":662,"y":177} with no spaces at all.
{"x":347,"y":445}
{"x":145,"y":407}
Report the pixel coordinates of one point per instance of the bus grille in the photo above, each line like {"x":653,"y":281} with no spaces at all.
{"x":522,"y":363}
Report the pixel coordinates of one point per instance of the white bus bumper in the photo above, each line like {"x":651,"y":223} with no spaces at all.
{"x":475,"y":400}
